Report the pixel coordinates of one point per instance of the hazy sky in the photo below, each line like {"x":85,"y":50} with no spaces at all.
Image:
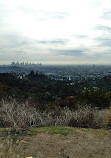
{"x":55,"y":31}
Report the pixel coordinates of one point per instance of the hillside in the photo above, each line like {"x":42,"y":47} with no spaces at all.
{"x":57,"y":142}
{"x":13,"y":69}
{"x":39,"y":118}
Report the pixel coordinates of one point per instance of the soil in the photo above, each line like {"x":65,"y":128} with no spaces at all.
{"x":81,"y":144}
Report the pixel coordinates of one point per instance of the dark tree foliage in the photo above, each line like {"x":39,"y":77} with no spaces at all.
{"x":36,"y":87}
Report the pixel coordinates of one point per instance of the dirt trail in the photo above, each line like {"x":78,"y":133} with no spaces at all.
{"x":81,"y":144}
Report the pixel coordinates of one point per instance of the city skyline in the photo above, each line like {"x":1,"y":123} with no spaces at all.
{"x":55,"y":32}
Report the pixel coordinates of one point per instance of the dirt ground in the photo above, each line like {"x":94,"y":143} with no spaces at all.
{"x":80,"y":144}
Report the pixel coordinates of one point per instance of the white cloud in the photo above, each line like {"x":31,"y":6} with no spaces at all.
{"x":80,"y":22}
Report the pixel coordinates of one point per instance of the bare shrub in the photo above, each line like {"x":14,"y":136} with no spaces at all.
{"x":88,"y":117}
{"x":13,"y":114}
{"x":108,"y":119}
{"x":70,"y":102}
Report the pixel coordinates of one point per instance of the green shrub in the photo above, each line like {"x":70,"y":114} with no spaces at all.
{"x":96,"y":98}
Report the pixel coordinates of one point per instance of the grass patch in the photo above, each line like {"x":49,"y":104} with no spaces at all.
{"x":58,"y":130}
{"x":70,"y":130}
{"x":53,"y":130}
{"x":33,"y":131}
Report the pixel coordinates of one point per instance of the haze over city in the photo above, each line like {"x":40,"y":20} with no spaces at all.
{"x":55,"y":32}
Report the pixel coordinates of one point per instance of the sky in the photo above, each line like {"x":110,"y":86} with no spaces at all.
{"x":55,"y":31}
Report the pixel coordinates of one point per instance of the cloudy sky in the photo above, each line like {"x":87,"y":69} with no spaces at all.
{"x":55,"y":31}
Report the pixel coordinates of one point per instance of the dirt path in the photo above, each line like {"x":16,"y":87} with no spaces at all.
{"x":80,"y":144}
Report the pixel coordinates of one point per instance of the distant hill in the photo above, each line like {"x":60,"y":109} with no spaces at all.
{"x":14,"y":69}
